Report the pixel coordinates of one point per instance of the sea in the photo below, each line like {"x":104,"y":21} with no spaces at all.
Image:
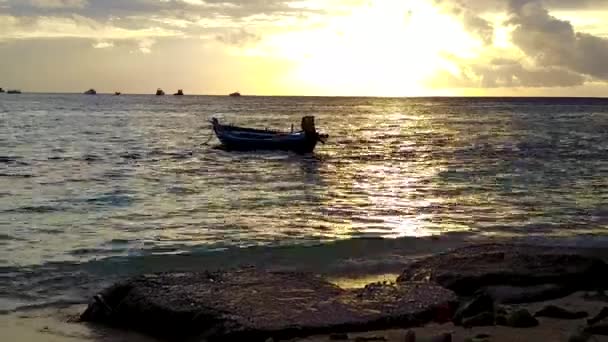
{"x":94,"y":189}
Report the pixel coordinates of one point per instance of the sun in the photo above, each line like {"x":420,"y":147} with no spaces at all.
{"x":380,"y":48}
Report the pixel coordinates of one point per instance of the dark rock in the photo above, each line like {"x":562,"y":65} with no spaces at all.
{"x":469,"y":269}
{"x":521,"y":319}
{"x":410,"y":336}
{"x":370,"y":339}
{"x":483,"y":319}
{"x":253,"y":305}
{"x":527,"y":294}
{"x":479,"y":304}
{"x":579,"y":337}
{"x":598,"y":328}
{"x":500,"y":320}
{"x":445,"y":337}
{"x":482,"y":336}
{"x":553,"y":311}
{"x":599,"y":317}
{"x":338,"y":337}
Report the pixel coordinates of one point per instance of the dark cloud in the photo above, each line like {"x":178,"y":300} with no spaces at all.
{"x":553,"y":42}
{"x":480,"y":6}
{"x":104,"y":9}
{"x":556,"y":55}
{"x":506,"y":73}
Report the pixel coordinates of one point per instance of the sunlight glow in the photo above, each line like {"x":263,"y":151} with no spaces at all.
{"x":383,"y":48}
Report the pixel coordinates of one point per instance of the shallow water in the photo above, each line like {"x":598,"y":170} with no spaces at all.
{"x":84,"y":178}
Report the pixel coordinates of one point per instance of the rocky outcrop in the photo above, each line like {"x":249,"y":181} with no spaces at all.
{"x":470,"y":269}
{"x":231,"y":305}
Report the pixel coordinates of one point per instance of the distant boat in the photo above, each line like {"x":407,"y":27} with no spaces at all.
{"x":235,"y":94}
{"x":13,"y":91}
{"x":159,"y":92}
{"x":91,"y":92}
{"x":116,"y":93}
{"x":1,"y":90}
{"x":247,"y":139}
{"x":179,"y":93}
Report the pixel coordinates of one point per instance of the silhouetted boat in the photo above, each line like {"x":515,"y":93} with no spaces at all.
{"x":247,"y":139}
{"x":1,"y":90}
{"x":91,"y":92}
{"x":179,"y":92}
{"x":159,"y":92}
{"x":13,"y":91}
{"x":235,"y":94}
{"x":116,"y":93}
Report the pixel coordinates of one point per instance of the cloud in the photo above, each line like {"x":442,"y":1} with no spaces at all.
{"x":58,"y":3}
{"x":504,"y":73}
{"x":103,"y":45}
{"x":543,"y":50}
{"x":238,"y":37}
{"x":554,"y":42}
{"x":145,"y":45}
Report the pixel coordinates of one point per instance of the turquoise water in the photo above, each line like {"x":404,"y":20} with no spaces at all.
{"x":87,"y":178}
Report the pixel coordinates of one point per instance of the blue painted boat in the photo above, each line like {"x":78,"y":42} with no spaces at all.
{"x":248,"y":139}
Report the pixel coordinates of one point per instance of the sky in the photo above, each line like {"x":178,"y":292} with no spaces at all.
{"x":307,"y":47}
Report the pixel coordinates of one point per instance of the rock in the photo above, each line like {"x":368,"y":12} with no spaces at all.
{"x":521,"y":319}
{"x":338,"y":337}
{"x":483,"y":319}
{"x":528,"y":294}
{"x":370,"y":339}
{"x":553,"y":311}
{"x":600,"y":316}
{"x":483,"y":336}
{"x":476,"y":339}
{"x":479,"y":304}
{"x":466,"y":270}
{"x":410,"y":336}
{"x":579,"y":337}
{"x":599,"y":328}
{"x":500,"y":320}
{"x":252,"y":305}
{"x":445,"y":337}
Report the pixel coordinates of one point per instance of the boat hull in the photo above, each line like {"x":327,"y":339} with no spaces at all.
{"x":243,"y":139}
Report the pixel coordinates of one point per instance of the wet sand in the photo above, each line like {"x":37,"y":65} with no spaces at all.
{"x":59,"y":325}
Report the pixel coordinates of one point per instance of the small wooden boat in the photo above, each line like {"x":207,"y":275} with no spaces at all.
{"x":13,"y":91}
{"x":1,"y":90}
{"x":90,"y":92}
{"x":117,"y":93}
{"x":159,"y":92}
{"x":235,"y":94}
{"x":248,"y":139}
{"x":180,"y":92}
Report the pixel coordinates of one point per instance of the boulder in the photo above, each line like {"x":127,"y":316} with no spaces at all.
{"x":521,"y":319}
{"x":553,"y":311}
{"x":445,"y":337}
{"x":473,"y":307}
{"x":603,"y":314}
{"x":260,"y":305}
{"x":528,"y":294}
{"x":410,"y":336}
{"x":469,"y":269}
{"x":600,"y":328}
{"x":483,"y":319}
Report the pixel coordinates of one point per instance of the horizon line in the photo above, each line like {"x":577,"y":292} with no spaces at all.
{"x":328,"y":96}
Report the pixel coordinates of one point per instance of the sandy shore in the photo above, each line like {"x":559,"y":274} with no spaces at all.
{"x":59,"y":325}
